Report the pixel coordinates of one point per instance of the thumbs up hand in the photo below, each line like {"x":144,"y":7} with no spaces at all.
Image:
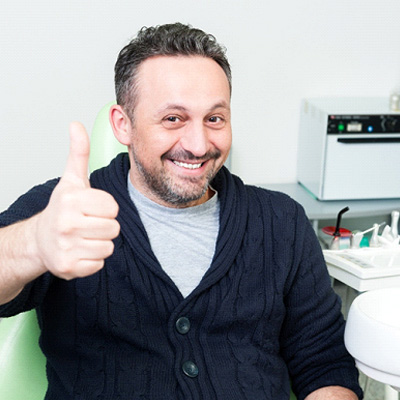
{"x":74,"y":232}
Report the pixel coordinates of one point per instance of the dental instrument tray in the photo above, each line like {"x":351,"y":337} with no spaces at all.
{"x":366,"y":268}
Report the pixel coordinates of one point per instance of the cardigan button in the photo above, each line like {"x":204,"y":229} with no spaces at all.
{"x":190,"y":369}
{"x":182,"y":325}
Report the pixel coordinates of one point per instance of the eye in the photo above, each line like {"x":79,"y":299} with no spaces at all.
{"x":216,"y":121}
{"x":172,"y":121}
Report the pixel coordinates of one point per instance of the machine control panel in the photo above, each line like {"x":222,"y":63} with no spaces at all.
{"x":353,"y":124}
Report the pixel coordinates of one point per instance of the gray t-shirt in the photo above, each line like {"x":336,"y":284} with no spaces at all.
{"x":182,"y":239}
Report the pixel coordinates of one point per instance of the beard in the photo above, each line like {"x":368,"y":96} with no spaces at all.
{"x":177,"y":191}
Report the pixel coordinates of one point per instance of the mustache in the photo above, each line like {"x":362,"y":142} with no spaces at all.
{"x":184,"y":155}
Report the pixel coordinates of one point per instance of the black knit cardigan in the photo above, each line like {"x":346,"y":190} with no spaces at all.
{"x":263,"y":315}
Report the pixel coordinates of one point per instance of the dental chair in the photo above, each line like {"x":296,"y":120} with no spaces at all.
{"x":22,"y":363}
{"x":103,"y":145}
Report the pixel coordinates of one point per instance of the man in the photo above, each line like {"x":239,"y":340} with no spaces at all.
{"x":164,"y":276}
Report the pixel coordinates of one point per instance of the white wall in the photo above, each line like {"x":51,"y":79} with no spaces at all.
{"x":57,"y":65}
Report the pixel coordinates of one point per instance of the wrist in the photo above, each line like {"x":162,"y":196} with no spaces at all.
{"x":26,"y":262}
{"x":33,"y":245}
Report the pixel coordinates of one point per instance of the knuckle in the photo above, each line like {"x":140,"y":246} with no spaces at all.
{"x":65,"y":270}
{"x":64,"y":244}
{"x":116,"y":228}
{"x":90,"y":268}
{"x":109,"y":248}
{"x":113,"y":208}
{"x":98,"y":265}
{"x":68,"y":199}
{"x":111,"y":204}
{"x":64,"y":224}
{"x":116,"y":209}
{"x":68,"y":277}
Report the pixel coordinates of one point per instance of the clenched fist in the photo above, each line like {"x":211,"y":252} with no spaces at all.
{"x":74,"y":232}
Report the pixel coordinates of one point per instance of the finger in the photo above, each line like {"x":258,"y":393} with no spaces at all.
{"x":86,"y":257}
{"x":92,"y":250}
{"x":76,"y":169}
{"x":83,"y":268}
{"x":99,"y":228}
{"x":98,"y":203}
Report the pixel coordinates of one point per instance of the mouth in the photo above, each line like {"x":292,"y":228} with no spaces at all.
{"x":188,"y":165}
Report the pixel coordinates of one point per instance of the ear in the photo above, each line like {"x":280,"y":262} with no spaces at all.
{"x":121,"y":124}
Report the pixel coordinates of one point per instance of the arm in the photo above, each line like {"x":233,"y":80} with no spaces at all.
{"x":312,"y":335}
{"x":70,"y":238}
{"x":332,"y":393}
{"x":17,"y":249}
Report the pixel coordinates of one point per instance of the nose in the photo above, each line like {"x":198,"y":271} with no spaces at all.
{"x":195,"y":139}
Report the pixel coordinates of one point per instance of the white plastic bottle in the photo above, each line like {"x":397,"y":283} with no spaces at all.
{"x":394,"y":231}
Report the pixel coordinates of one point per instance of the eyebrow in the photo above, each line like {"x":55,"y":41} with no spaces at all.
{"x":222,"y":104}
{"x":173,"y":106}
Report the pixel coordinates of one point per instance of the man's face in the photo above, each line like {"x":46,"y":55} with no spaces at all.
{"x":181,"y":133}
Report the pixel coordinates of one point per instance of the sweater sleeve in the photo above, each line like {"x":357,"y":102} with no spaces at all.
{"x":313,"y":331}
{"x":26,"y":206}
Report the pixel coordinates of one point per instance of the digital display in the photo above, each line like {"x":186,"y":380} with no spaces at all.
{"x":351,"y":124}
{"x":354,"y":127}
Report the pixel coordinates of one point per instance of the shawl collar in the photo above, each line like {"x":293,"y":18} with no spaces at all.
{"x":233,"y":218}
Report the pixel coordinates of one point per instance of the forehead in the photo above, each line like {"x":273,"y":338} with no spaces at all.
{"x":182,"y":79}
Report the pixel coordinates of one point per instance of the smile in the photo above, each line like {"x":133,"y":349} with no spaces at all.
{"x":186,"y":165}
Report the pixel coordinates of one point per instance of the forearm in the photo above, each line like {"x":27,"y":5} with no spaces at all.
{"x":19,"y":262}
{"x":332,"y":393}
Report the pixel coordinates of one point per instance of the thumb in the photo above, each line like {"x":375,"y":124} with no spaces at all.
{"x":76,"y":169}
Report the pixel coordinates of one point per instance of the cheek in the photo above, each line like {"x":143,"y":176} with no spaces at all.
{"x":223,"y":142}
{"x":153,"y":146}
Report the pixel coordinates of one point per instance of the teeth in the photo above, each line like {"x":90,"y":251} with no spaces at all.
{"x":186,"y":165}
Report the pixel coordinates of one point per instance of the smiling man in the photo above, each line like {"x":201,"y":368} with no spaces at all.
{"x":181,"y":130}
{"x":163,"y":276}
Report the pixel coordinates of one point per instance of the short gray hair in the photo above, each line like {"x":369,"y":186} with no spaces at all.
{"x":162,"y":40}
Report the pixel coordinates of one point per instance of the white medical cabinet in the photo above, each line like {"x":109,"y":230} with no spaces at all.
{"x":349,"y":148}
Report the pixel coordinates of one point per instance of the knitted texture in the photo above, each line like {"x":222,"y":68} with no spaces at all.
{"x":264,"y":313}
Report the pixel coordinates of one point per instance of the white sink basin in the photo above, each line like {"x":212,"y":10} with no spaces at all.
{"x":372,"y":334}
